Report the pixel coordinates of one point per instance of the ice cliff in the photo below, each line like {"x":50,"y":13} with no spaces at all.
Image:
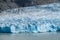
{"x":33,"y":19}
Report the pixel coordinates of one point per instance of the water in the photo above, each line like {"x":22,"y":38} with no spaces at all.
{"x":31,"y":36}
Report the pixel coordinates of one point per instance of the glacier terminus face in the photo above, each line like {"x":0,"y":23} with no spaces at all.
{"x":34,"y":19}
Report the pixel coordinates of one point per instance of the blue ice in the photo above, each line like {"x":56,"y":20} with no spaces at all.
{"x":35,"y":19}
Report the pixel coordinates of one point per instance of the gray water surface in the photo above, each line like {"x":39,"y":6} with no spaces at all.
{"x":31,"y":36}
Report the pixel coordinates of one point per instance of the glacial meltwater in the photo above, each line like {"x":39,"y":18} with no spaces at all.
{"x":31,"y":36}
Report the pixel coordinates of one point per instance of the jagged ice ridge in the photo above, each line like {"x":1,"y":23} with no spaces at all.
{"x":34,"y":19}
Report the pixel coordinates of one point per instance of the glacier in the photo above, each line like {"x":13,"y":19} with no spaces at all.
{"x":33,"y":19}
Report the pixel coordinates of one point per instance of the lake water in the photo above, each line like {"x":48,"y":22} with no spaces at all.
{"x":31,"y":36}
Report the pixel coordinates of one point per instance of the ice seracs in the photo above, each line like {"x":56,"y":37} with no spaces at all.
{"x":34,"y":19}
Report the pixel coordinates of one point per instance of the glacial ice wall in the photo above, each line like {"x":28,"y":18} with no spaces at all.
{"x":34,"y":19}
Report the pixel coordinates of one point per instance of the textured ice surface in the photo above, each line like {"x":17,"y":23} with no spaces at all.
{"x":34,"y":19}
